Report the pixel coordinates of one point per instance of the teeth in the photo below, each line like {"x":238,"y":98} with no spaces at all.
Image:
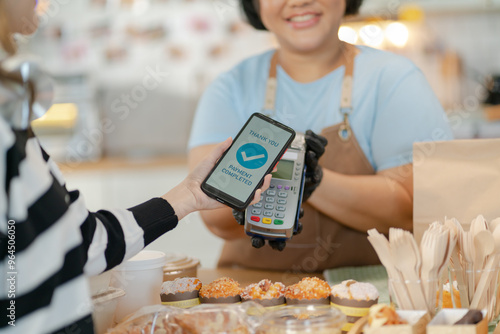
{"x":302,"y":18}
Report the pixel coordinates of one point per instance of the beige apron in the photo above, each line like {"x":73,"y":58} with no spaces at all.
{"x":323,"y":243}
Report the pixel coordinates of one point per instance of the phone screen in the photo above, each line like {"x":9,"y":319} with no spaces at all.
{"x":251,"y":155}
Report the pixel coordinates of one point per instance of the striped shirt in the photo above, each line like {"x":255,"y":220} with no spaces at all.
{"x":50,"y":242}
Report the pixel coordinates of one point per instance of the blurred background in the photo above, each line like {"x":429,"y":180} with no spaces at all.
{"x":129,"y":73}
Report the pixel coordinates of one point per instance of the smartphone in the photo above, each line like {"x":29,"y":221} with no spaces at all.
{"x":254,"y":152}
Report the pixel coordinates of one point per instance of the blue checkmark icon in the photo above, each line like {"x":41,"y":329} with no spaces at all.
{"x":252,"y":156}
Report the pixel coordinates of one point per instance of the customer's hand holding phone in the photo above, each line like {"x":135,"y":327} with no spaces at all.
{"x":188,"y":197}
{"x":257,"y":148}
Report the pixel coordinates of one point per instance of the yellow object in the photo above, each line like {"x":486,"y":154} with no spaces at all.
{"x":184,"y":303}
{"x":352,"y":311}
{"x":266,"y":220}
{"x":62,"y":115}
{"x":411,"y":12}
{"x":447,"y":302}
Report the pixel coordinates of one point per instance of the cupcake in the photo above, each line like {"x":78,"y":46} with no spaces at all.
{"x":353,"y":299}
{"x":265,"y":293}
{"x":181,"y":292}
{"x":221,"y":291}
{"x":310,"y":290}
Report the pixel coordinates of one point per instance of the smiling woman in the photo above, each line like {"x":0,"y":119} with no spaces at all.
{"x":371,"y":105}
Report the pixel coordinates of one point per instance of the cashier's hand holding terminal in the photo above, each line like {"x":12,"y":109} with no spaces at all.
{"x":315,"y":147}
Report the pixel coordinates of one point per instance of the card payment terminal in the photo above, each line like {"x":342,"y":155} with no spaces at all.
{"x":276,"y":216}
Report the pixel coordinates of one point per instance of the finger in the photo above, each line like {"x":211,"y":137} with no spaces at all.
{"x":239,"y":216}
{"x":311,"y":161}
{"x":316,"y":146}
{"x":256,"y":197}
{"x":318,"y":175}
{"x":322,"y":140}
{"x":278,"y":245}
{"x":267,"y":182}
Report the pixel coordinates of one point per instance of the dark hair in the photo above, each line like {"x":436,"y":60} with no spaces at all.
{"x":253,"y":17}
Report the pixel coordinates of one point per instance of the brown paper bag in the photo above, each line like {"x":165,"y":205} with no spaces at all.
{"x":459,"y":178}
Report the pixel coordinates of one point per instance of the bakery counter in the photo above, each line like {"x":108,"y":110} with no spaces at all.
{"x":247,"y":276}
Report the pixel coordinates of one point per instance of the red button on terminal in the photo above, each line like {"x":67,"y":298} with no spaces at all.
{"x":255,"y":218}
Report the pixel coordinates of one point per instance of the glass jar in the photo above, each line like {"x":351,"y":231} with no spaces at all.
{"x":303,"y":319}
{"x":179,"y":265}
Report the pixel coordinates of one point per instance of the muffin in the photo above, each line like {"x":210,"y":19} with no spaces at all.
{"x":181,"y":292}
{"x":353,"y":299}
{"x":224,"y":290}
{"x":265,"y":293}
{"x":310,"y":290}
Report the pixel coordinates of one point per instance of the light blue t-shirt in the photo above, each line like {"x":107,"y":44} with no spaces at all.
{"x":393,"y":105}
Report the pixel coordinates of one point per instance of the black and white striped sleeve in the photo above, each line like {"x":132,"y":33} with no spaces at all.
{"x":57,"y":240}
{"x":113,"y":236}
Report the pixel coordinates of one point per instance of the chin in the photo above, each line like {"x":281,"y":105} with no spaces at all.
{"x":305,"y":45}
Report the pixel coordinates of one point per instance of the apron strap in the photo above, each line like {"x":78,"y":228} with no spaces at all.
{"x":345,"y":131}
{"x":272,"y":84}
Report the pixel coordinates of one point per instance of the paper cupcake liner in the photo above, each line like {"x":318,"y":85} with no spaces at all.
{"x":221,"y":300}
{"x":320,"y":301}
{"x":267,"y":302}
{"x":182,"y":299}
{"x":352,"y":307}
{"x":179,"y":296}
{"x":184,"y":303}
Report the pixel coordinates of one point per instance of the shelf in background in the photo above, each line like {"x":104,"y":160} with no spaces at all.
{"x":389,"y":8}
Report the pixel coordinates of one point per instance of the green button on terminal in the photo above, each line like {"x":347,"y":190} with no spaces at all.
{"x":278,"y":222}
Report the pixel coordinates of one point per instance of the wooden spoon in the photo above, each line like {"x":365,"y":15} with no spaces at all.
{"x":454,"y":226}
{"x":484,"y":245}
{"x":494,"y":223}
{"x":407,"y":260}
{"x":496,"y":237}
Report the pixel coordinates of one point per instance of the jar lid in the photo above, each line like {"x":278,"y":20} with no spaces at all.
{"x":108,"y":295}
{"x":144,"y":260}
{"x":177,"y":261}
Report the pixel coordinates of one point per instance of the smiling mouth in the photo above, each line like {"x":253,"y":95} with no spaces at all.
{"x":302,"y":18}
